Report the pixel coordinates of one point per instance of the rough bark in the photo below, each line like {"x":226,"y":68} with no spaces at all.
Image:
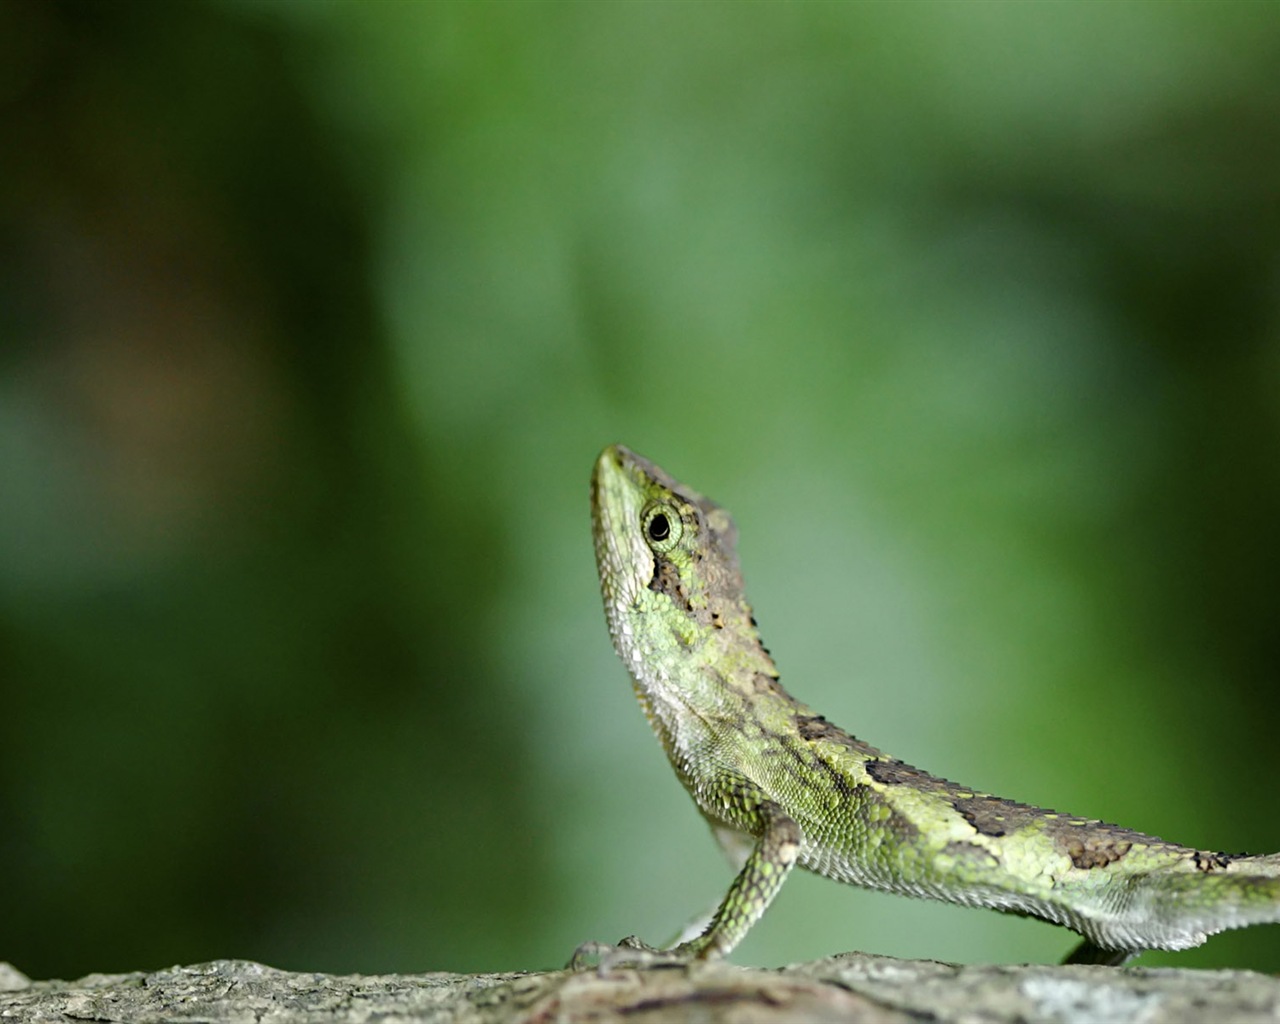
{"x":853,"y":987}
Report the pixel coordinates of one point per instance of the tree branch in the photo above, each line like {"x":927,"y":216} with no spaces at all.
{"x":867,"y":989}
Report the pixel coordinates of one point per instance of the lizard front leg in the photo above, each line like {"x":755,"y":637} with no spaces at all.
{"x":756,"y":884}
{"x":765,"y":869}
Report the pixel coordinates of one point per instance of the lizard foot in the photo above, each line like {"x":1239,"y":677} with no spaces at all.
{"x":629,"y":952}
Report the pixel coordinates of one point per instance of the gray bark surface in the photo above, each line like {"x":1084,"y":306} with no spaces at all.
{"x":852,"y":987}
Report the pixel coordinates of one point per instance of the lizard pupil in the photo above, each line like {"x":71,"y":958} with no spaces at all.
{"x":659,"y":528}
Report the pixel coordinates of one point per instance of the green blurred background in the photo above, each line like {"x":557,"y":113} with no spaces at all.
{"x":314,"y":316}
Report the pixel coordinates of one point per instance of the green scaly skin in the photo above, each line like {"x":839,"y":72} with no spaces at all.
{"x":778,"y":782}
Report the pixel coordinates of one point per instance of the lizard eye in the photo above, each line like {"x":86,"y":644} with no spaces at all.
{"x":662,"y":527}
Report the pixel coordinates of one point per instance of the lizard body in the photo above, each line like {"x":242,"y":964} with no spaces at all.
{"x":781,"y":786}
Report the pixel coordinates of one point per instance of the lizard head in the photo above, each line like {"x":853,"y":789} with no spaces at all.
{"x":668,"y":568}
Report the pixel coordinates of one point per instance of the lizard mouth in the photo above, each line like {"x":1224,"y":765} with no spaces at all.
{"x":606,"y":482}
{"x":620,"y":550}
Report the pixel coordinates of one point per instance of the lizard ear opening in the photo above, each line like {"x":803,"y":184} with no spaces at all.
{"x":662,"y":527}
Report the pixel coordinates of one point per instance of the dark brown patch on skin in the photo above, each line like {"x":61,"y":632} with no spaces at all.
{"x":1209,"y":862}
{"x":764,"y":683}
{"x":1094,"y":851}
{"x":666,"y":580}
{"x":987,"y":818}
{"x":816,"y":727}
{"x":990,"y":815}
{"x":1089,"y":844}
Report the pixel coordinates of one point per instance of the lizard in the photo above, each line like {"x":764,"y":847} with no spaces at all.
{"x":781,"y":786}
